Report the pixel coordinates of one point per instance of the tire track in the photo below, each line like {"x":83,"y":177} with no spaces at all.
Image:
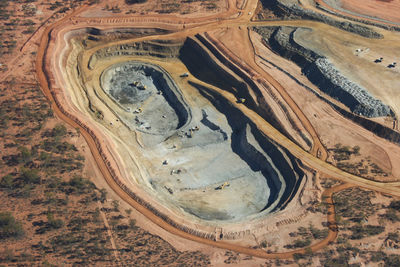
{"x":109,"y":174}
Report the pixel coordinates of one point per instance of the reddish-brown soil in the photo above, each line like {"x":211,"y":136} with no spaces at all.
{"x":234,"y":42}
{"x":388,"y":10}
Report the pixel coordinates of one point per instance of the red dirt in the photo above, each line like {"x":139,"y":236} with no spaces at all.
{"x":109,"y":174}
{"x":384,"y":9}
{"x":374,"y":8}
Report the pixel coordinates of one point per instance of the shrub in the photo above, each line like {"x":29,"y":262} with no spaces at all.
{"x":78,"y":185}
{"x":9,"y":227}
{"x":30,"y":176}
{"x":377,"y":256}
{"x":395,"y":205}
{"x":394,"y":236}
{"x":360,"y":231}
{"x":131,"y":2}
{"x":7,"y":182}
{"x":392,"y":261}
{"x":300,"y":243}
{"x":391,"y":215}
{"x":58,"y":131}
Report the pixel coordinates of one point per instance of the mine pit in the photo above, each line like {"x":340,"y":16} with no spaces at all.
{"x":147,"y":95}
{"x":209,"y":161}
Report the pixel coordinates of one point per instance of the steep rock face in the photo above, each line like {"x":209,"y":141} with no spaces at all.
{"x":155,"y":49}
{"x":325,"y":75}
{"x":207,"y":63}
{"x":320,"y":71}
{"x":281,"y":169}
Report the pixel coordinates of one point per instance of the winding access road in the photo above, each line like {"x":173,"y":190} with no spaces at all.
{"x":318,"y":164}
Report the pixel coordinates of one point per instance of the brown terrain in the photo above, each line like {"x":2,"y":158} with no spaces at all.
{"x":81,"y":184}
{"x":387,"y":10}
{"x":382,"y":11}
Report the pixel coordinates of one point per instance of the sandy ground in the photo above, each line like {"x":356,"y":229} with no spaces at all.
{"x":377,"y":78}
{"x":102,"y":131}
{"x":151,"y":7}
{"x":325,"y":119}
{"x":388,"y":10}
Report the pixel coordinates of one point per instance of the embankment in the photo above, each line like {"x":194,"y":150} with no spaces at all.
{"x":323,"y":73}
{"x":278,"y":166}
{"x":291,"y":9}
{"x":208,"y":63}
{"x":304,"y":61}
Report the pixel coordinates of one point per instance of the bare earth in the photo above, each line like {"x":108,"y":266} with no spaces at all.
{"x":387,"y":10}
{"x":190,"y":141}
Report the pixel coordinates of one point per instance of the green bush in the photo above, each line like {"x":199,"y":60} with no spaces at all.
{"x":391,"y":215}
{"x":395,"y":205}
{"x":392,"y":261}
{"x":300,"y":243}
{"x":30,"y":176}
{"x":377,"y":256}
{"x":78,"y":185}
{"x":9,"y":227}
{"x":7,"y":181}
{"x":130,"y":2}
{"x":360,"y":231}
{"x":394,"y":236}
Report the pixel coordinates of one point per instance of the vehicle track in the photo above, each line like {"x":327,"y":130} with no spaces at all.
{"x":273,"y":133}
{"x":317,"y":149}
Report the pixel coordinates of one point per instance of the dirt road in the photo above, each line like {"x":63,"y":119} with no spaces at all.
{"x":317,"y":149}
{"x":266,"y":128}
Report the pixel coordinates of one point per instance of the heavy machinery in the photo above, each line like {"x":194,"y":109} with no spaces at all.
{"x":138,"y":110}
{"x":241,"y":100}
{"x":222,"y":186}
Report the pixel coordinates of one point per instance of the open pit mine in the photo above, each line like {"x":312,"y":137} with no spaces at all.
{"x":218,"y":129}
{"x":186,"y":150}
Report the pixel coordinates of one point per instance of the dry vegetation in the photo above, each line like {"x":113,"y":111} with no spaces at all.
{"x":368,"y":231}
{"x":182,"y":7}
{"x":20,"y":19}
{"x":49,"y":212}
{"x":348,"y":159}
{"x":368,"y":225}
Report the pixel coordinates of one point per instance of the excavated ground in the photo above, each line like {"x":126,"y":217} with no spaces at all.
{"x":187,"y":147}
{"x":148,"y":96}
{"x":195,"y":150}
{"x":182,"y":143}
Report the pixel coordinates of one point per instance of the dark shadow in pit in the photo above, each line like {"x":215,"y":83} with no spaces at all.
{"x":255,"y":159}
{"x":163,"y":83}
{"x":169,"y":94}
{"x":203,"y":67}
{"x":213,"y":127}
